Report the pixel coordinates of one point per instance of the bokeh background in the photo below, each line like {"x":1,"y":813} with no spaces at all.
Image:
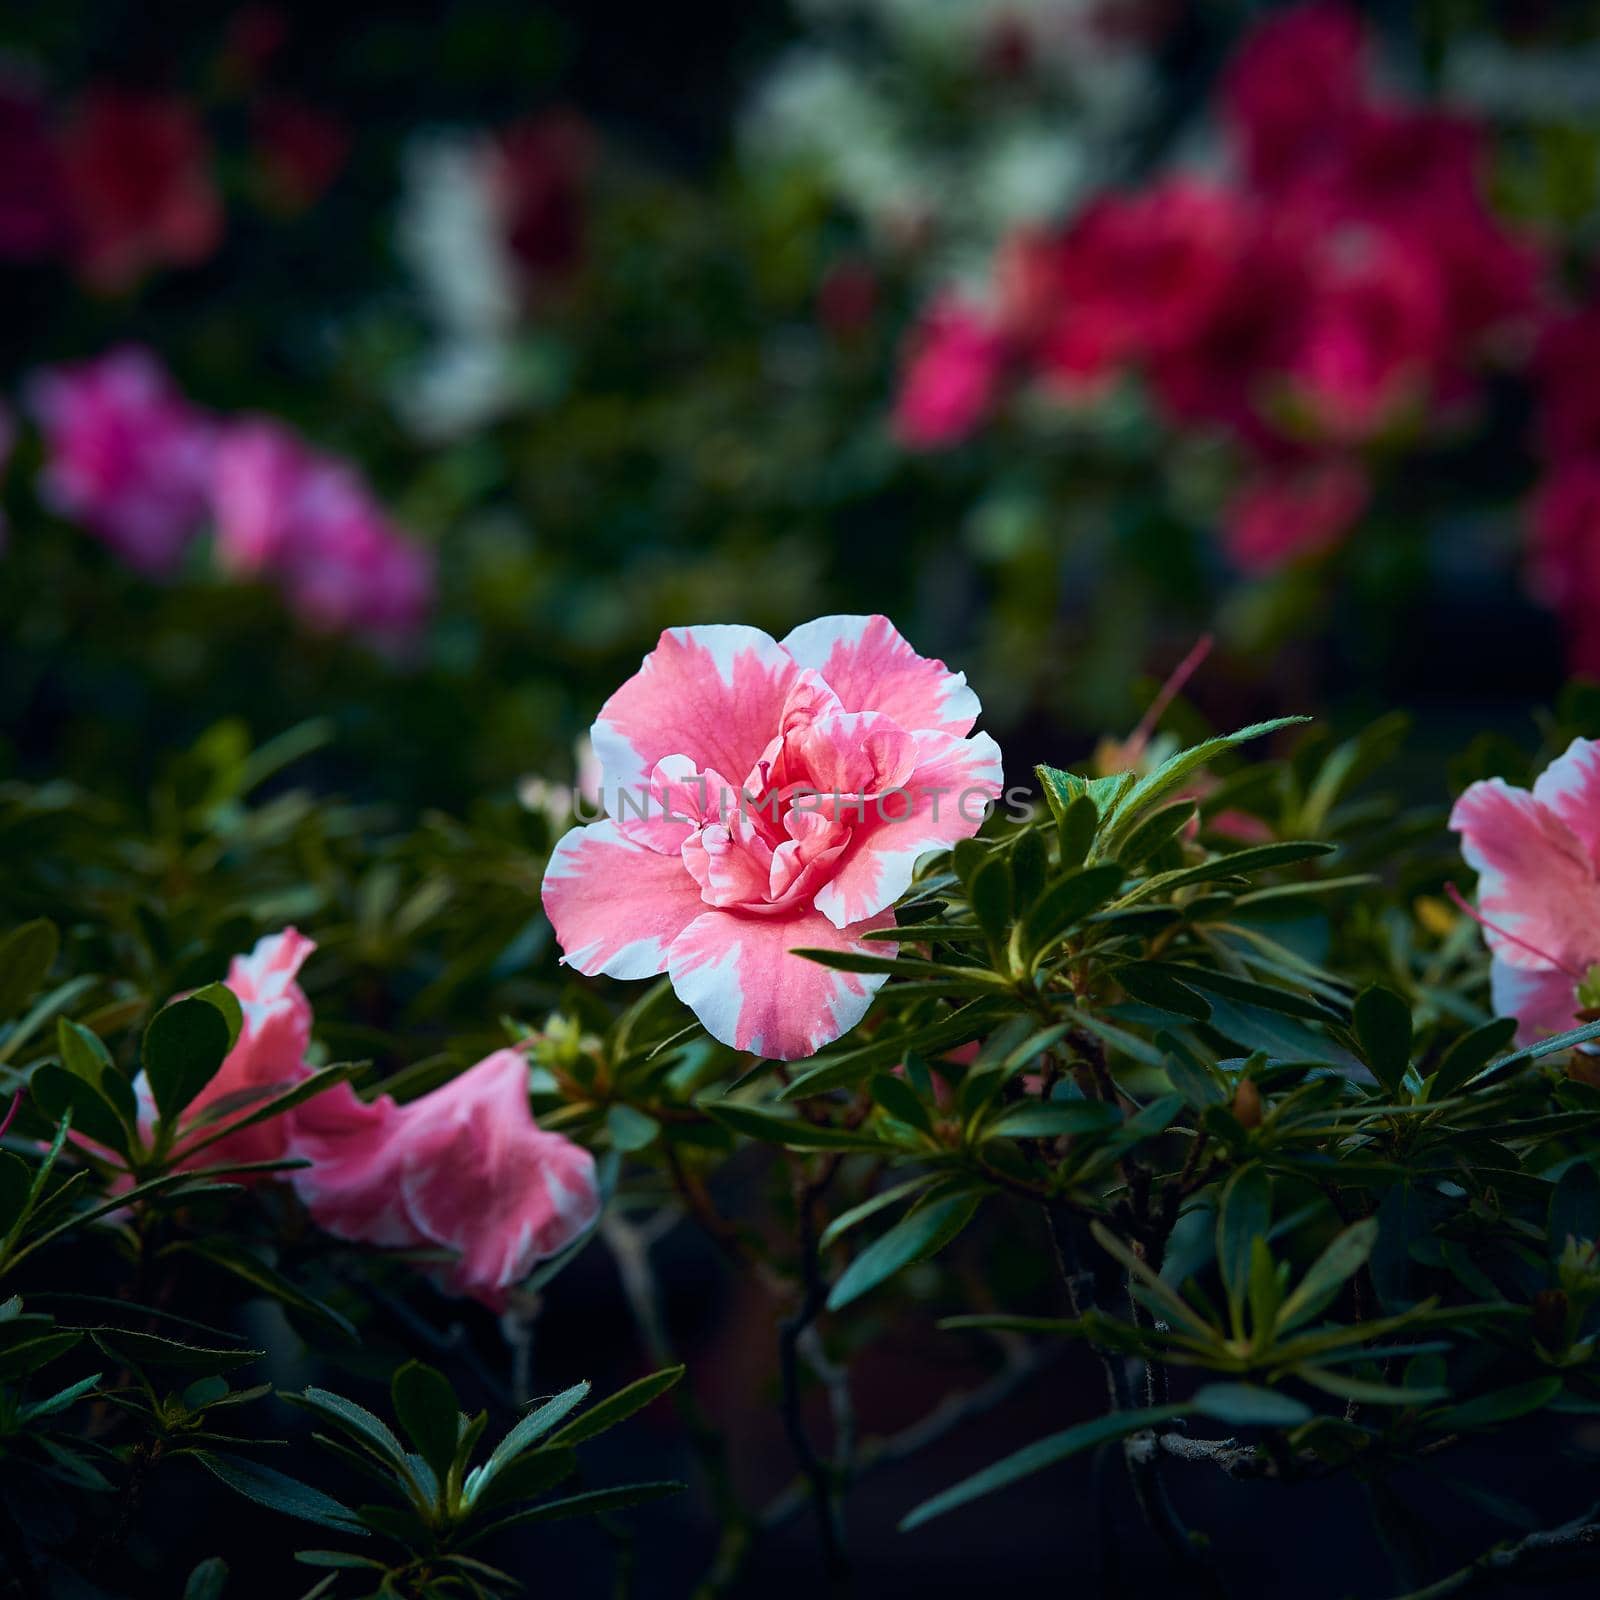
{"x":399,"y":374}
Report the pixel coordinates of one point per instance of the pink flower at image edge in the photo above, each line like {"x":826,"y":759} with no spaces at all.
{"x":1537,"y":855}
{"x":852,"y":755}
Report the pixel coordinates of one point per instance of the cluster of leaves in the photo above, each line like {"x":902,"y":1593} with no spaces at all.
{"x":106,"y":1182}
{"x":1203,"y":1039}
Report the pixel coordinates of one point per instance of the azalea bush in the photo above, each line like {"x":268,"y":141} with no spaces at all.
{"x":1192,"y":1072}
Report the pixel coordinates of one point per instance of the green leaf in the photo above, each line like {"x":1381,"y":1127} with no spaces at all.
{"x":1244,"y":1405}
{"x":900,"y":1100}
{"x":233,"y":1257}
{"x":630,"y":1129}
{"x":1383,"y":1025}
{"x":1075,"y":831}
{"x":1345,"y":1256}
{"x":793,"y":1132}
{"x":1469,"y":1055}
{"x":1067,"y":902}
{"x":922,"y":1233}
{"x":617,"y":1407}
{"x":26,"y":957}
{"x":1054,"y":1118}
{"x":1500,"y":1405}
{"x":207,"y":1581}
{"x":278,"y":1492}
{"x":150,"y":1350}
{"x":1556,"y":1043}
{"x":1173,"y":772}
{"x":525,"y":1434}
{"x":426,"y":1406}
{"x":60,"y":1400}
{"x":56,"y":1091}
{"x":1154,"y":985}
{"x":1037,"y":1456}
{"x":1575,"y":1206}
{"x":83,"y":1055}
{"x":354,"y":1421}
{"x":184,"y":1046}
{"x":846,"y":1220}
{"x":1159,"y":828}
{"x":1366,"y":1393}
{"x":990,"y":896}
{"x":1243,"y":1216}
{"x":591,"y":1503}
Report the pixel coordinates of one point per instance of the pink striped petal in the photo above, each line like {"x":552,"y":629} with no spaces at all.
{"x":270,"y":1053}
{"x":615,"y":905}
{"x":1570,"y":787}
{"x":1536,"y":883}
{"x":352,"y":1187}
{"x":1543,"y":1002}
{"x":871,"y":667}
{"x":713,"y":693}
{"x":941,"y":801}
{"x":737,"y":975}
{"x":480,"y":1177}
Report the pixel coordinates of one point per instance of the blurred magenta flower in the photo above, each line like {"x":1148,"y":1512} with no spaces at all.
{"x":765,"y":797}
{"x":1564,"y":528}
{"x":1339,"y":286}
{"x":309,"y":523}
{"x":951,"y":379}
{"x":1294,"y":88}
{"x":1537,"y":856}
{"x":1290,"y":512}
{"x":126,"y":455}
{"x":1565,"y":364}
{"x":139,"y":184}
{"x":1369,"y":341}
{"x":465,"y":1168}
{"x":1135,"y":277}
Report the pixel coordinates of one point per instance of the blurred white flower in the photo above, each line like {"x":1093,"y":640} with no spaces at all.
{"x":451,"y":236}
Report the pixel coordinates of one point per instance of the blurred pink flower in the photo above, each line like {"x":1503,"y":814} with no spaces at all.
{"x":308,"y":522}
{"x":465,"y":1168}
{"x":125,"y":455}
{"x":951,"y":380}
{"x":1287,"y":513}
{"x":140,"y":186}
{"x":1140,"y":275}
{"x":33,"y":219}
{"x":1537,"y":856}
{"x":1565,"y":365}
{"x":1370,"y":337}
{"x":1293,"y":88}
{"x":790,"y":789}
{"x":1565,"y":552}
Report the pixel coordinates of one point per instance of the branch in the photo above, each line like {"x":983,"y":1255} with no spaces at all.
{"x":1022,"y":1361}
{"x":791,"y":1331}
{"x":1495,"y":1566}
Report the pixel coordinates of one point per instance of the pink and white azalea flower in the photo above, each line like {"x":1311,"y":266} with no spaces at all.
{"x":269,"y":1054}
{"x":465,"y":1167}
{"x":765,"y":797}
{"x":1537,"y":856}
